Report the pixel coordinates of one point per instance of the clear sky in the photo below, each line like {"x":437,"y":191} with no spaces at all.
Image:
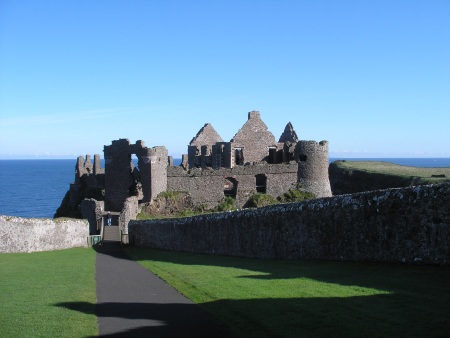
{"x":371,"y":77}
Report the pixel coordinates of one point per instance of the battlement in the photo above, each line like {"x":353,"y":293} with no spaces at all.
{"x":88,"y":171}
{"x":85,"y":167}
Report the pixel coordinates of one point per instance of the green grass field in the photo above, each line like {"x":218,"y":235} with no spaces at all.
{"x":422,"y":175}
{"x":34,"y":287}
{"x":262,"y":298}
{"x":255,"y":298}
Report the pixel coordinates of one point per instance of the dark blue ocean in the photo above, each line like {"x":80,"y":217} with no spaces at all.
{"x":35,"y":188}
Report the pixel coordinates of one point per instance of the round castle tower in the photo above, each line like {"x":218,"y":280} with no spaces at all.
{"x":312,"y":172}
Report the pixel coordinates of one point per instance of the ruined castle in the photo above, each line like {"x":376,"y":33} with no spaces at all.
{"x":252,"y":162}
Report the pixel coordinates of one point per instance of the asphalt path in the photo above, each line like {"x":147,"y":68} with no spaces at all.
{"x":133,"y":302}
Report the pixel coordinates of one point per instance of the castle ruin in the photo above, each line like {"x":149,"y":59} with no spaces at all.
{"x":252,"y":162}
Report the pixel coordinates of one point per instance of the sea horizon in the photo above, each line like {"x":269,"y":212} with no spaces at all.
{"x":35,"y":188}
{"x":330,"y":159}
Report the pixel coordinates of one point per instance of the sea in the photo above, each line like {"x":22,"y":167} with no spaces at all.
{"x":35,"y":188}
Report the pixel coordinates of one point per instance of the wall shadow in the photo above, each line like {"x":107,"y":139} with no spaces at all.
{"x":151,"y":319}
{"x":113,"y":249}
{"x":382,"y":276}
{"x":332,"y":317}
{"x":416,"y":304}
{"x":411,"y":309}
{"x":300,"y":317}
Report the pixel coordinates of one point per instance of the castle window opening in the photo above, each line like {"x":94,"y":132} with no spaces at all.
{"x":261,"y":183}
{"x":134,"y":160}
{"x":135,"y":168}
{"x":222,"y":155}
{"x":302,"y":158}
{"x":230,"y":187}
{"x":239,"y":156}
{"x":272,"y":155}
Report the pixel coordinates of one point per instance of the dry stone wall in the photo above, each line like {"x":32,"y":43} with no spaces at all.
{"x":32,"y":234}
{"x":395,"y":225}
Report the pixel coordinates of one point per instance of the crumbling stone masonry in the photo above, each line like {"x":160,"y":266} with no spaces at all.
{"x":87,"y":175}
{"x":252,"y":162}
{"x":123,"y":180}
{"x":208,"y":186}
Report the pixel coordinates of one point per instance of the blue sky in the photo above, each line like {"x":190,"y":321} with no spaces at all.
{"x":371,"y":77}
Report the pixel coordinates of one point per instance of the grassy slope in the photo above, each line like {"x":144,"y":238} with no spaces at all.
{"x":261,"y":298}
{"x":423,"y":174}
{"x":48,"y":294}
{"x":347,"y":177}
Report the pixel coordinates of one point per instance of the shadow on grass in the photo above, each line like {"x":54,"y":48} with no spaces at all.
{"x":373,"y":316}
{"x":152,"y":319}
{"x":417,"y":304}
{"x":303,"y":317}
{"x":382,"y":276}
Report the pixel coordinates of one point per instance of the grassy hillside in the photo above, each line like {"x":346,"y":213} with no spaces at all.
{"x":348,"y":177}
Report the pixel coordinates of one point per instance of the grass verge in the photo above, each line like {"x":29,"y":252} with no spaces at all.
{"x":34,"y":287}
{"x":264,"y":298}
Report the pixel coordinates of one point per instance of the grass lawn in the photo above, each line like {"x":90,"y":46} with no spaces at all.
{"x":262,"y":298}
{"x":35,"y":285}
{"x":422,"y":175}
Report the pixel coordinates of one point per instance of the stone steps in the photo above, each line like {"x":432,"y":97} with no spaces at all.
{"x":111,"y":233}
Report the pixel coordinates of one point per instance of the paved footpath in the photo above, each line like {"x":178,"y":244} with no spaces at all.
{"x":133,"y":302}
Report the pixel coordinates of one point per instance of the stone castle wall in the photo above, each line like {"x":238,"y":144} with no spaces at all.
{"x":254,"y":139}
{"x":91,"y":210}
{"x":33,"y":234}
{"x":92,"y":171}
{"x":122,"y":178}
{"x":396,"y":225}
{"x":88,"y":175}
{"x":118,"y":179}
{"x":206,"y":186}
{"x":313,"y":167}
{"x":158,"y":170}
{"x":252,"y":162}
{"x":129,"y":212}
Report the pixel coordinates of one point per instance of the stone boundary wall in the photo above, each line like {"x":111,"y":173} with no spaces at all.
{"x":407,"y":225}
{"x":36,"y":234}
